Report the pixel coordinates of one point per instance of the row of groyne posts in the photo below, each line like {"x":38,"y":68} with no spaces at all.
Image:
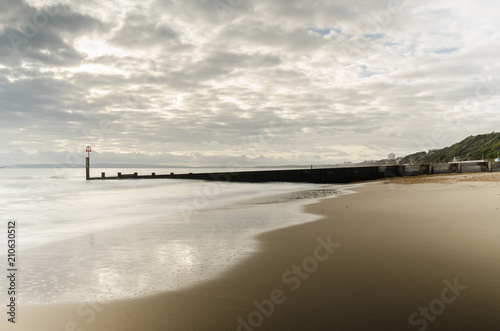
{"x":321,"y":175}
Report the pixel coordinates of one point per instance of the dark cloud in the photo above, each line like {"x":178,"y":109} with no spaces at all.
{"x":44,"y":36}
{"x":139,"y":31}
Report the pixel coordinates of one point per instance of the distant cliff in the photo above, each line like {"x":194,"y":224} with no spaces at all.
{"x":477,"y":147}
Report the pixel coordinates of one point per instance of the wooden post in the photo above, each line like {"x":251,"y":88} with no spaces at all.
{"x":87,"y":168}
{"x":401,"y":170}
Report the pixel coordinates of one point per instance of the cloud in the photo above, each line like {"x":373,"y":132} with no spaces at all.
{"x":204,"y":81}
{"x":43,"y":36}
{"x":138,"y":31}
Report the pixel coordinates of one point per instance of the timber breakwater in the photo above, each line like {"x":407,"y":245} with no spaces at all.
{"x":321,"y":175}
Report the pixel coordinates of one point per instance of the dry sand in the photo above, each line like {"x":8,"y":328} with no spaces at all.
{"x":430,"y":249}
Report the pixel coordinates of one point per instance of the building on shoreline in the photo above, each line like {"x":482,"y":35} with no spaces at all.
{"x":393,"y":160}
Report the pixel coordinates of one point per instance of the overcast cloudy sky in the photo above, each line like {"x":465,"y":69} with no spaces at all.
{"x":206,"y":82}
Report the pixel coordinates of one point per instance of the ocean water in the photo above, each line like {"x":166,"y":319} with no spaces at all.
{"x":83,"y":240}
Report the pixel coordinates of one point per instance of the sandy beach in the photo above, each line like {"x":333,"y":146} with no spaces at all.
{"x":410,"y":253}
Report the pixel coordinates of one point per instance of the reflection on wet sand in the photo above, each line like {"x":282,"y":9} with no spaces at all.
{"x":156,"y":256}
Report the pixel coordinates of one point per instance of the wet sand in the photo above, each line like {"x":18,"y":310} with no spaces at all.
{"x":404,"y":254}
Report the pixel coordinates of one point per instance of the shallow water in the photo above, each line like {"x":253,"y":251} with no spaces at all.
{"x":101,"y":240}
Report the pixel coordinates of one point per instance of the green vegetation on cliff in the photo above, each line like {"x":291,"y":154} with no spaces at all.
{"x":485,"y":146}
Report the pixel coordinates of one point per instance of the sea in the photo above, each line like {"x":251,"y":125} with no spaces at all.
{"x":83,"y":241}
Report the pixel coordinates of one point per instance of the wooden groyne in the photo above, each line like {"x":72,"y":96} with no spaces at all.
{"x":321,"y":175}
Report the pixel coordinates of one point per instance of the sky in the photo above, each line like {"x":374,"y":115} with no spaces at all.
{"x":215,"y":82}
